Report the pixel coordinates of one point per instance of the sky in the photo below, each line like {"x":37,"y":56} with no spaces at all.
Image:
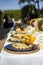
{"x":13,"y":4}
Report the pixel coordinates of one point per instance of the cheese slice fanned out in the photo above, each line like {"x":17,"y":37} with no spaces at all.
{"x":20,"y":46}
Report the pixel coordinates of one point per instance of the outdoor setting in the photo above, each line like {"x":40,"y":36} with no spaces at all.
{"x":21,"y":32}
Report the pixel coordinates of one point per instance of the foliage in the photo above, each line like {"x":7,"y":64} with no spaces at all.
{"x":27,"y":10}
{"x":24,"y":11}
{"x":14,"y":13}
{"x":34,"y":2}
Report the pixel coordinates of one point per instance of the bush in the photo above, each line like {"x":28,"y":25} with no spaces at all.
{"x":15,"y":13}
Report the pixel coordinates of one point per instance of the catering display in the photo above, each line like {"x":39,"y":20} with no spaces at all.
{"x":21,"y":43}
{"x":23,"y":46}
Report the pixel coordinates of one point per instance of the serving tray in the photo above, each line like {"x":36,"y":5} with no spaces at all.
{"x":10,"y":49}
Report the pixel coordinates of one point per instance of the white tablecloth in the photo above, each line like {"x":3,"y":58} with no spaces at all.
{"x":21,"y":59}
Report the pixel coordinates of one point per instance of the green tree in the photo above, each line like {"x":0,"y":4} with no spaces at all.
{"x":29,"y":1}
{"x":23,"y":1}
{"x":27,"y":10}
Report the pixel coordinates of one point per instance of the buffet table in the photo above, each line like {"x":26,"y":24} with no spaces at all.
{"x":22,"y":59}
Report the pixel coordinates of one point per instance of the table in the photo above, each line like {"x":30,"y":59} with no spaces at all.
{"x":21,"y":59}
